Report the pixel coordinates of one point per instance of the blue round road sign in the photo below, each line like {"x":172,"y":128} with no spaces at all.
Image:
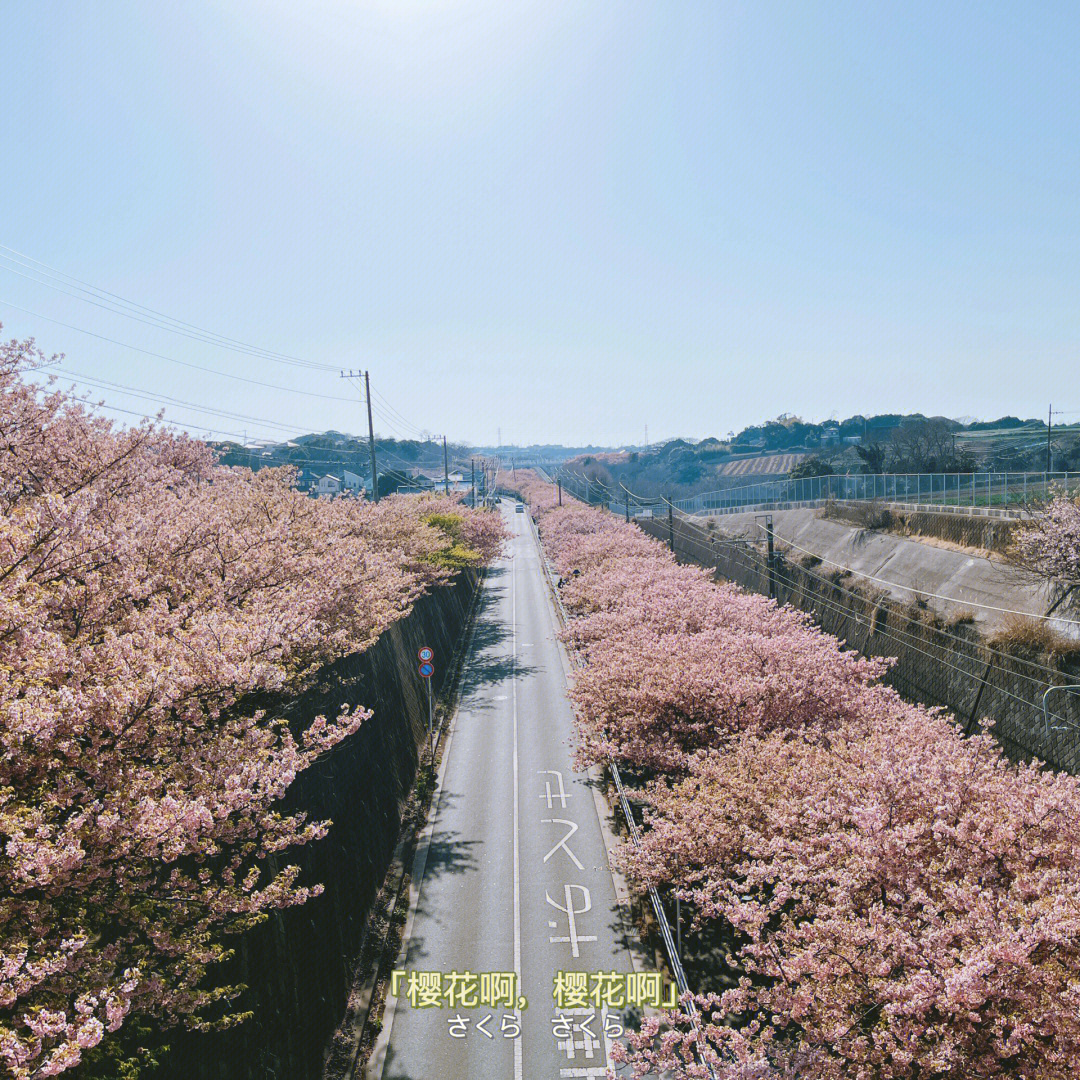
{"x":426,"y":655}
{"x":427,"y":670}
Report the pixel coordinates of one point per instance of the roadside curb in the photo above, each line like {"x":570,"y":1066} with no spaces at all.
{"x":446,"y":707}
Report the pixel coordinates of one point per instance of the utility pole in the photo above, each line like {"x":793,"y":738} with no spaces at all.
{"x":1049,"y":458}
{"x":445,"y":468}
{"x":371,"y":440}
{"x":771,"y":562}
{"x":350,"y":374}
{"x":670,"y":526}
{"x":627,"y":506}
{"x":472,"y":462}
{"x":559,"y":482}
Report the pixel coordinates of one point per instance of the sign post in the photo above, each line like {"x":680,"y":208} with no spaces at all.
{"x":426,"y":668}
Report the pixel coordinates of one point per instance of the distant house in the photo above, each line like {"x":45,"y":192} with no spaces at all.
{"x":436,"y":481}
{"x":343,"y":483}
{"x":329,"y":484}
{"x":354,"y":482}
{"x":853,"y":440}
{"x":306,"y":479}
{"x":830,"y":434}
{"x":456,"y":484}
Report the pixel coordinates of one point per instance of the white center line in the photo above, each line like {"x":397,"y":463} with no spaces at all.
{"x":517,"y":865}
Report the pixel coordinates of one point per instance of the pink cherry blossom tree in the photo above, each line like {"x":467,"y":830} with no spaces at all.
{"x":153,"y":606}
{"x":903,"y":902}
{"x":1049,"y":543}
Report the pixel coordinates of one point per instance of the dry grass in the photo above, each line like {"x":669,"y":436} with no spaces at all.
{"x":958,"y":617}
{"x":871,"y":514}
{"x":1023,"y":635}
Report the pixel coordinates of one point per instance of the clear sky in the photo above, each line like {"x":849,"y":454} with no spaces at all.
{"x":564,"y":220}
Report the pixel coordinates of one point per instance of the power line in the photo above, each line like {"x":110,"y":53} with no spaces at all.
{"x":170,"y":359}
{"x":406,"y":423}
{"x":104,"y":384}
{"x":148,"y":395}
{"x":117,"y":304}
{"x":155,"y":419}
{"x":219,"y":431}
{"x":392,"y":425}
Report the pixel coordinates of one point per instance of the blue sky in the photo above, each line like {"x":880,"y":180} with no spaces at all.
{"x":564,"y":220}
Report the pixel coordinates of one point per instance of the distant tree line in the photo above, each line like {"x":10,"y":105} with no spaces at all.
{"x":333,"y":452}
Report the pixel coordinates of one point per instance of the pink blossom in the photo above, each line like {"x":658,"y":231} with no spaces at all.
{"x":148,"y":597}
{"x":902,"y":901}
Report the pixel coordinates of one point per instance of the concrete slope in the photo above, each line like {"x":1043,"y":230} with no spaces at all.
{"x":516,"y":876}
{"x":903,"y":566}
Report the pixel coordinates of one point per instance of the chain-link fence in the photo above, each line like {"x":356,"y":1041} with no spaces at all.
{"x":992,"y":490}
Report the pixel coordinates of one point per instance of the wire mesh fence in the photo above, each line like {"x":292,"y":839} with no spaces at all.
{"x":992,"y":490}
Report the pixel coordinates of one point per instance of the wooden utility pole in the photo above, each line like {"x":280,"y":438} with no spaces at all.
{"x":772,"y":556}
{"x":370,"y":429}
{"x":472,"y":462}
{"x":371,"y":440}
{"x":1049,"y":421}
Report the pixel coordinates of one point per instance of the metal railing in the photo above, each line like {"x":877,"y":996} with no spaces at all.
{"x":994,"y":490}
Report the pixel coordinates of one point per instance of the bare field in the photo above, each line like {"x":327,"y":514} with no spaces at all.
{"x":762,"y":465}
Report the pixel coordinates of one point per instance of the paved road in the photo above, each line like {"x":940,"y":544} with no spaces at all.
{"x":516,"y":877}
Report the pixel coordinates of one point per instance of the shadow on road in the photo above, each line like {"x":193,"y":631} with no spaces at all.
{"x":489,"y":662}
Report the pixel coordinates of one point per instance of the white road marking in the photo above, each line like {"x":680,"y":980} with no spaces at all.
{"x":562,"y":843}
{"x":561,"y":794}
{"x":517,"y":855}
{"x":592,"y":1070}
{"x":571,"y":913}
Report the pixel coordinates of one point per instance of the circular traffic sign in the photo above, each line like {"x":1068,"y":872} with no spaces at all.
{"x":426,"y":655}
{"x":427,"y":670}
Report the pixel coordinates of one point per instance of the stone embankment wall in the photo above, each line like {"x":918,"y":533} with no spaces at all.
{"x":981,"y":531}
{"x":940,"y":660}
{"x":299,"y":965}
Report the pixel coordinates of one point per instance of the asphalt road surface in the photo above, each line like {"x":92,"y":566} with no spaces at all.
{"x":516,"y":877}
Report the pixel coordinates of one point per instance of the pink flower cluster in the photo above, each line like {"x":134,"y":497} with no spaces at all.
{"x":147,"y":598}
{"x":901,"y":901}
{"x":1050,"y":542}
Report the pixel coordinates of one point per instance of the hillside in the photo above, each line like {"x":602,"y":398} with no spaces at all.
{"x":889,"y":442}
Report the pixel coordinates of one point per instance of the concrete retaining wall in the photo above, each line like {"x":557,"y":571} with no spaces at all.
{"x":300,"y":963}
{"x":982,"y":532}
{"x":906,"y":568}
